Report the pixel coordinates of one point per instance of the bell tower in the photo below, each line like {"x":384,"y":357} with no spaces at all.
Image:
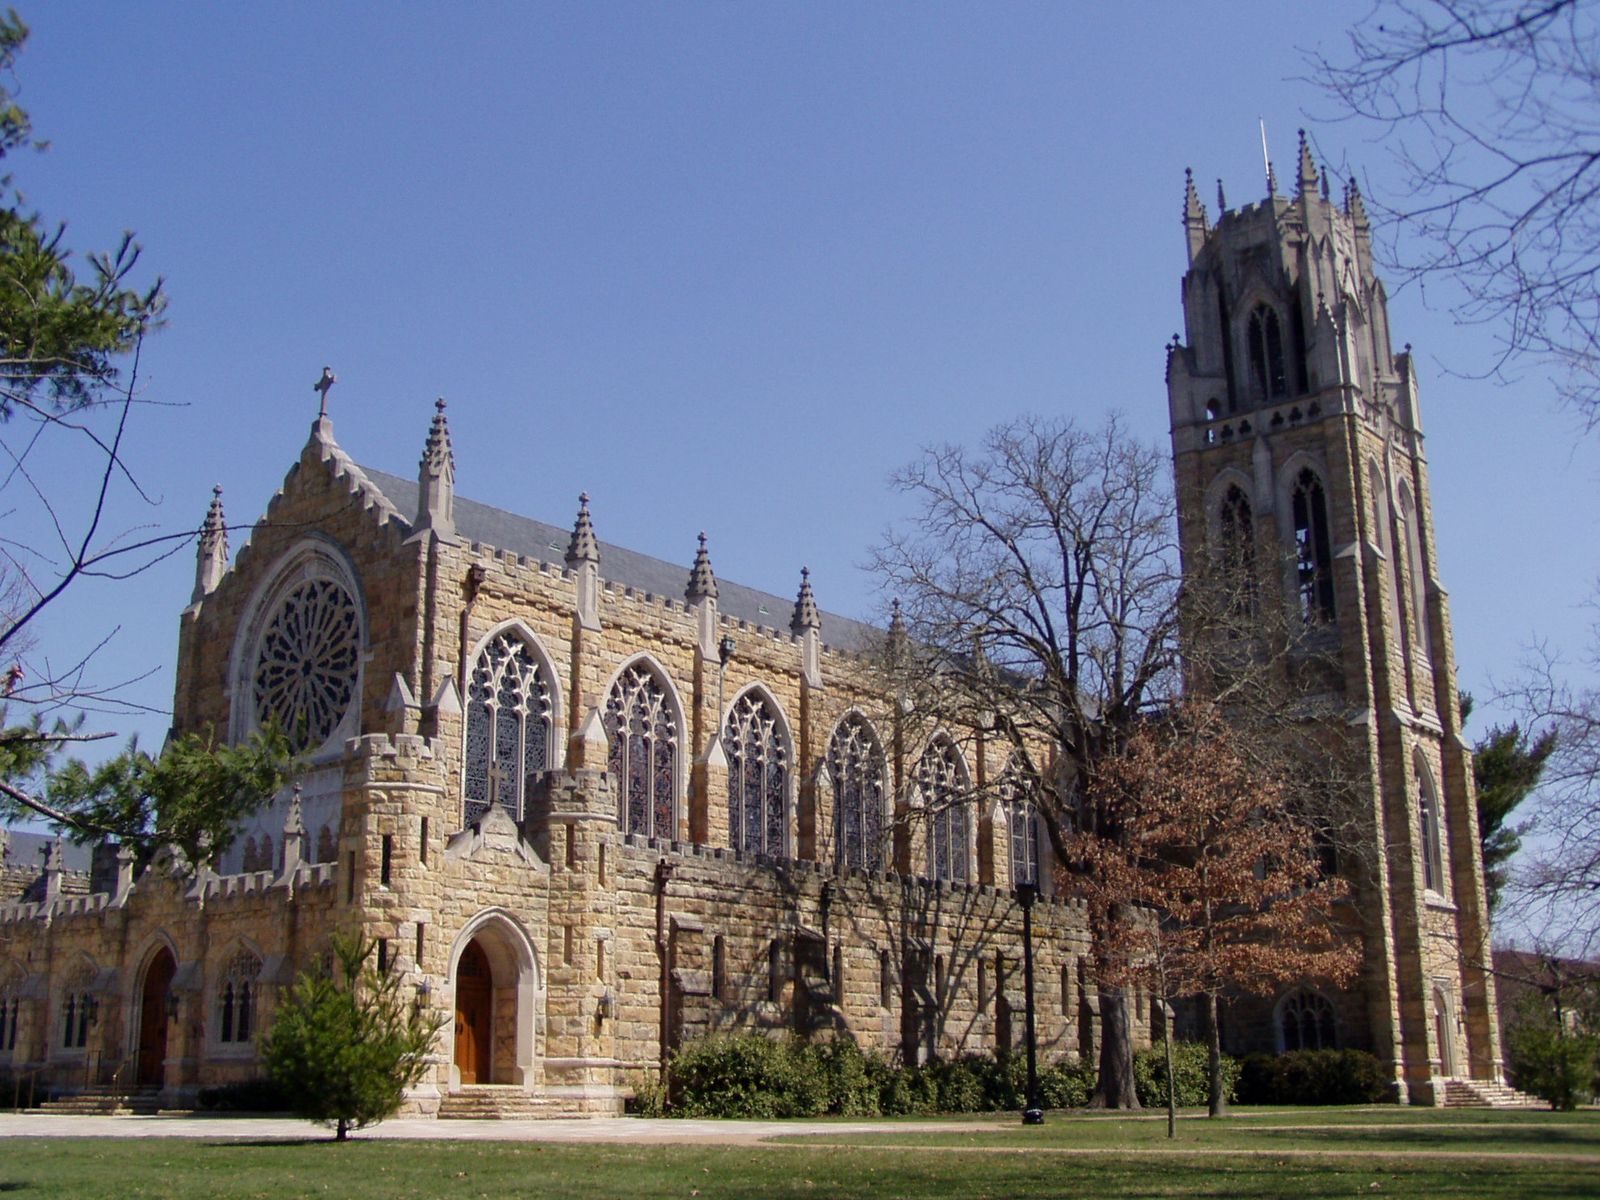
{"x":1299,"y":458}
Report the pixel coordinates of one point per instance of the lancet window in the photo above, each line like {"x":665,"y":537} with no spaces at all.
{"x":1428,"y":833}
{"x":1266,"y":354}
{"x":1236,"y":538}
{"x":236,"y":1002}
{"x":1417,"y":593}
{"x":856,"y":770}
{"x":10,"y":1011}
{"x":508,"y":725}
{"x":941,"y":780}
{"x":79,"y":1009}
{"x":644,"y":752}
{"x":1018,"y":789}
{"x":1313,"y":549}
{"x":758,"y":775}
{"x":1305,"y":1022}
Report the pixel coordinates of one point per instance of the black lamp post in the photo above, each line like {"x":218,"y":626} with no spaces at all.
{"x":1033,"y":1112}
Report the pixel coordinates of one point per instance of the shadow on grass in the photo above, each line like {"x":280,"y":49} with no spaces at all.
{"x":276,"y":1143}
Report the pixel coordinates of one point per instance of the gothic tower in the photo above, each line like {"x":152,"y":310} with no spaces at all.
{"x":1298,"y":451}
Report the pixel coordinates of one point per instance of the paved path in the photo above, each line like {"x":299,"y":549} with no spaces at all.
{"x":630,"y":1130}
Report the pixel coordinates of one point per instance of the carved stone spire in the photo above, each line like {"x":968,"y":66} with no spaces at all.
{"x":1194,"y":215}
{"x":583,"y":548}
{"x":1306,"y":181}
{"x":1222,"y":201}
{"x":1354,"y":208}
{"x":702,"y":580}
{"x":583,"y":560}
{"x":212,"y":559}
{"x":897,"y":624}
{"x":1272,"y":181}
{"x":436,"y":480}
{"x":805,"y":607}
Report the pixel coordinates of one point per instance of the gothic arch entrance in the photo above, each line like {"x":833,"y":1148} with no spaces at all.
{"x":1446,"y":1043}
{"x":474,"y":1015}
{"x":152,"y":1049}
{"x":496,"y":1003}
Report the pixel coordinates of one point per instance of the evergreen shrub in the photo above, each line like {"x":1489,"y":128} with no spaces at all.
{"x":1190,"y":1068}
{"x":1314,"y":1077}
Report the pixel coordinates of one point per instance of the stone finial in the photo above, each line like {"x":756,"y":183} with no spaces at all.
{"x":293,"y":822}
{"x":1272,"y":181}
{"x":436,"y":479}
{"x":1354,"y":207}
{"x":702,"y":579}
{"x":1194,"y":215}
{"x":1222,"y":201}
{"x":805,"y":606}
{"x":211,"y":559}
{"x":897,"y":623}
{"x":53,"y":868}
{"x":294,"y":836}
{"x":583,"y":548}
{"x":1306,"y":181}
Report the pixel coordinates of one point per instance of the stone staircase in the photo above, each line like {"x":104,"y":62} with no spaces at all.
{"x":496,"y":1102}
{"x":105,"y":1100}
{"x":1480,"y":1093}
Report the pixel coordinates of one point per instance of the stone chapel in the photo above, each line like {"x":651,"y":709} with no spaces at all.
{"x":592,"y":804}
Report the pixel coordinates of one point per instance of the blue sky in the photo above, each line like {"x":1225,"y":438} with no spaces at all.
{"x":722,"y":266}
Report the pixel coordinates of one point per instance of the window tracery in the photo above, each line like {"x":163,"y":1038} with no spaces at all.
{"x":857,"y":771}
{"x":236,"y":1001}
{"x":79,"y":1009}
{"x":508,"y":725}
{"x":1018,"y":789}
{"x":758,"y":775}
{"x":1313,"y":549}
{"x":308,"y":662}
{"x":1266,"y":354}
{"x":940,"y":782}
{"x":1305,"y":1022}
{"x":640,"y":724}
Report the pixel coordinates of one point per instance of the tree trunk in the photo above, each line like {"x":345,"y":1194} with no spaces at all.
{"x":1172,"y":1083}
{"x":1218,"y":1101}
{"x":1115,"y":1088}
{"x":342,"y":1133}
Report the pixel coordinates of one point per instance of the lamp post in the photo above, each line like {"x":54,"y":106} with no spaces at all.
{"x":1033,"y":1110}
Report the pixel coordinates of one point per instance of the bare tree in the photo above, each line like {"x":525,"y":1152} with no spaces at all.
{"x":1556,"y":889}
{"x":1491,"y":111}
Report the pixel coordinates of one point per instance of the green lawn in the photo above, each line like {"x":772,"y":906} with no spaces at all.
{"x":1397,"y":1153}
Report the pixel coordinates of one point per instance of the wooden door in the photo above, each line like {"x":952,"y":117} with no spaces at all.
{"x":473,"y":1005}
{"x":152,"y":1064}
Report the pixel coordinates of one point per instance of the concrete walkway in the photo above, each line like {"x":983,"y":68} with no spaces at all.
{"x":629,"y":1130}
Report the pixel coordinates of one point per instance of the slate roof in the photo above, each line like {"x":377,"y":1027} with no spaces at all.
{"x":548,"y":543}
{"x":27,"y":850}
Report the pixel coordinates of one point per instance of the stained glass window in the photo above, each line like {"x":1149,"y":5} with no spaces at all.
{"x":758,"y":776}
{"x":1305,"y":1022}
{"x":1018,"y":787}
{"x":508,"y":725}
{"x":644,"y":752}
{"x":236,"y":1002}
{"x":1313,"y":550}
{"x":941,"y":779}
{"x":309,"y":662}
{"x":856,"y":770}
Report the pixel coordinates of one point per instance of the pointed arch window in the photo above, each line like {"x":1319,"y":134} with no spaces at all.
{"x":758,"y":776}
{"x":1416,"y":593}
{"x":1313,"y":549}
{"x":508,"y":726}
{"x":236,"y":1001}
{"x":857,"y":772}
{"x":940,"y":782}
{"x":640,"y":723}
{"x":1305,"y":1022}
{"x":1266,"y":354}
{"x":1018,"y":790}
{"x":1429,"y":836}
{"x":79,"y":1010}
{"x":1236,"y":536}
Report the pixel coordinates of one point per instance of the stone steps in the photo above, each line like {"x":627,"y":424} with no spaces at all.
{"x":1479,"y":1093}
{"x":102,"y":1101}
{"x":490,"y":1102}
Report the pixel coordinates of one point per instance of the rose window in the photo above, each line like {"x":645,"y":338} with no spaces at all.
{"x":309,"y":663}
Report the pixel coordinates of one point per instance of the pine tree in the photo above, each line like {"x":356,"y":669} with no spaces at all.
{"x":344,"y":1047}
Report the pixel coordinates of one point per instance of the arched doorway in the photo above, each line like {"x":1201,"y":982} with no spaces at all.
{"x":474,"y":1015}
{"x":152,"y":1053}
{"x":1441,"y":1022}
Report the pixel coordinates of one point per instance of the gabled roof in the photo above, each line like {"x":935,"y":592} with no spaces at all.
{"x":628,"y":568}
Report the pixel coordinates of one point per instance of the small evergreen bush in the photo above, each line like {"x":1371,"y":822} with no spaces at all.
{"x":1314,"y":1077}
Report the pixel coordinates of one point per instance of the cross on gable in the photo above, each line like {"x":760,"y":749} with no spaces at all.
{"x":498,"y":778}
{"x":322,"y":387}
